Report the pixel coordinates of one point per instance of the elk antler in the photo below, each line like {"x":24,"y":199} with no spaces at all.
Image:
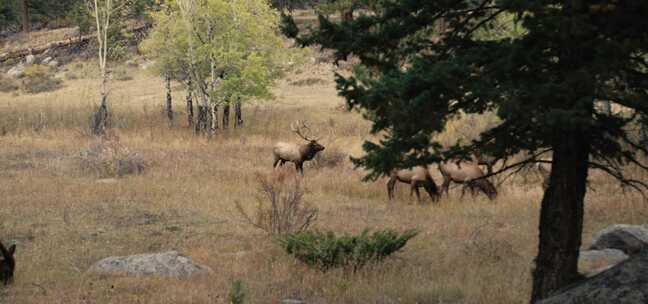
{"x":298,"y":127}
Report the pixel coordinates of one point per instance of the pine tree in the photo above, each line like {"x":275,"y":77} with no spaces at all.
{"x":542,"y":80}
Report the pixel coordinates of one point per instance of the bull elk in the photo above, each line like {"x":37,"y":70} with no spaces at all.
{"x":467,"y":173}
{"x":296,"y":153}
{"x":7,"y":263}
{"x":416,"y":177}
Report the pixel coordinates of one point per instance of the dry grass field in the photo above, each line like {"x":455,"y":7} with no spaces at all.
{"x":64,"y":218}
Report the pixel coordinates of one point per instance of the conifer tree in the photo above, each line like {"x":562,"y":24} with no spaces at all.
{"x":543,"y":82}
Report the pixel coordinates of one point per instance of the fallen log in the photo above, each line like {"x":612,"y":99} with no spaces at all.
{"x":19,"y":54}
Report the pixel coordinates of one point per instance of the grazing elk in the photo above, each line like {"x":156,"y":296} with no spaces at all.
{"x":296,"y":153}
{"x":7,"y":263}
{"x":486,"y":160}
{"x":467,"y":173}
{"x":418,"y":176}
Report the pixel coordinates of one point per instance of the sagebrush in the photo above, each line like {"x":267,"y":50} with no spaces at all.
{"x":280,"y":208}
{"x":325,"y":250}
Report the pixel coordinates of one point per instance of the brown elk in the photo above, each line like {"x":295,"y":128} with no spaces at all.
{"x":467,"y":173}
{"x":418,"y":176}
{"x":486,"y":160}
{"x":7,"y":263}
{"x":296,"y":153}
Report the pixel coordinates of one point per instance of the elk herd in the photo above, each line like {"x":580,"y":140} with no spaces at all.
{"x":466,"y":173}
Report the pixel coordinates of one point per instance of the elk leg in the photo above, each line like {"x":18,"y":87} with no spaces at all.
{"x":276,"y":161}
{"x":391,"y":184}
{"x":432,"y":191}
{"x":415,"y":188}
{"x":300,"y":167}
{"x":463,"y":191}
{"x":445,"y":186}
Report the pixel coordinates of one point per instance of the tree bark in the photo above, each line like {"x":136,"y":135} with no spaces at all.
{"x":238,"y":114}
{"x":213,"y":118}
{"x":169,"y":104}
{"x":202,"y":121}
{"x":190,"y":110}
{"x":100,"y":119}
{"x":226,"y":114}
{"x":24,"y":12}
{"x":561,"y":215}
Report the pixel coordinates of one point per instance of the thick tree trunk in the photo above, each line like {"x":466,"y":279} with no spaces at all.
{"x":226,"y":114}
{"x":561,"y":216}
{"x":202,"y":121}
{"x":190,"y":109}
{"x":169,"y":104}
{"x":24,"y":14}
{"x":238,"y":114}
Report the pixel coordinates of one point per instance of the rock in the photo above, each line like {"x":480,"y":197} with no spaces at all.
{"x":53,"y":63}
{"x":30,"y":59}
{"x":46,"y":60}
{"x":628,"y":238}
{"x":164,"y":264}
{"x":592,"y":262}
{"x":106,"y":181}
{"x":17,"y":71}
{"x":625,"y":283}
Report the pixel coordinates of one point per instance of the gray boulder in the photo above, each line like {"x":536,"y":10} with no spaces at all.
{"x":592,"y":262}
{"x":46,"y":60}
{"x":625,"y":283}
{"x":17,"y":71}
{"x":53,"y":63}
{"x":30,"y":59}
{"x":164,"y":264}
{"x":630,"y":239}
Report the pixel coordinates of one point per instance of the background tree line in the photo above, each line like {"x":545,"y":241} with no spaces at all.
{"x":25,"y":15}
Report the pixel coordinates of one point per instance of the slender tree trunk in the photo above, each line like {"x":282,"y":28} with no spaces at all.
{"x":214,"y":118}
{"x":203,"y":124}
{"x":101,"y":119}
{"x":226,"y":114}
{"x":238,"y":114}
{"x":190,"y":110}
{"x":24,"y":12}
{"x":561,"y":216}
{"x":169,"y":104}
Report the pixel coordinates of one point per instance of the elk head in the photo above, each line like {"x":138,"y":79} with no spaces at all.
{"x":313,"y":146}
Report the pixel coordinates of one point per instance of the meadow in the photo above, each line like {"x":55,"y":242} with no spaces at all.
{"x":64,"y":218}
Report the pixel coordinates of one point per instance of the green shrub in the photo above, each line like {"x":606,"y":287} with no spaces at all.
{"x":39,"y":78}
{"x":237,"y":292}
{"x":325,"y":250}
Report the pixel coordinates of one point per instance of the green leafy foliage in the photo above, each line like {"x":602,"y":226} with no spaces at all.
{"x":325,"y":250}
{"x":239,"y":39}
{"x":538,"y":67}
